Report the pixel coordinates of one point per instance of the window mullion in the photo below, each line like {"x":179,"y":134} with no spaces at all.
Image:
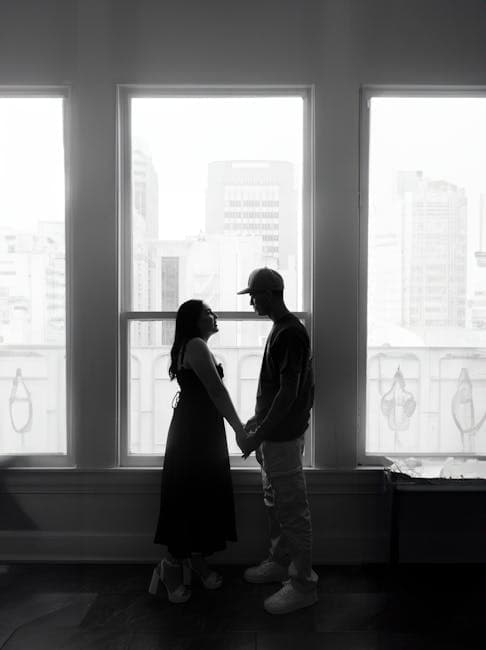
{"x":222,"y":315}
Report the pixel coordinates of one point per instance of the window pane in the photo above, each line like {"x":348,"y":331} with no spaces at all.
{"x":32,"y":277}
{"x":426,"y":374}
{"x":216,"y":191}
{"x":238,"y":346}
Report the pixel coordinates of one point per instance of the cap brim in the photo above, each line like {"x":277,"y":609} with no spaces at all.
{"x":239,"y":293}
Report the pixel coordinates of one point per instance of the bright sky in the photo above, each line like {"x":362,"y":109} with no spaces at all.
{"x":445,"y":138}
{"x":183,"y":135}
{"x":31,"y":161}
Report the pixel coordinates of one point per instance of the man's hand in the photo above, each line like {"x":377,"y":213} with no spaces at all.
{"x":251,"y":424}
{"x":251,"y":443}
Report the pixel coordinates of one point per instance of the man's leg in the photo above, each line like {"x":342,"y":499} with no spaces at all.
{"x":293,"y":514}
{"x":275,"y":567}
{"x":283,"y":466}
{"x":278,"y":551}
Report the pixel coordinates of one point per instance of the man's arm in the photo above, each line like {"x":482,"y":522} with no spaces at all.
{"x":291,"y":352}
{"x":281,"y":405}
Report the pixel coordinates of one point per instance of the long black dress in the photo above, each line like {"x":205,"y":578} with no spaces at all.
{"x":196,"y":503}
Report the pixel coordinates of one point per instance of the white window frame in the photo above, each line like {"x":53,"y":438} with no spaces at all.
{"x":125,"y":92}
{"x":53,"y":460}
{"x":367,"y":92}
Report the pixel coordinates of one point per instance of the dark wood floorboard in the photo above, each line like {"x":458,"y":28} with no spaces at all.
{"x":107,"y":607}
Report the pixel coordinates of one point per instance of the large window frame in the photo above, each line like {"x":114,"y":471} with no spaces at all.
{"x":367,"y":92}
{"x":53,"y":460}
{"x":125,"y":92}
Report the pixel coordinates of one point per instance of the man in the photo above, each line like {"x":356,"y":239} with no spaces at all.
{"x":276,"y":431}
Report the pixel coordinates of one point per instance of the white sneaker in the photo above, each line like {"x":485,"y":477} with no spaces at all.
{"x":266,"y":571}
{"x":288,"y":599}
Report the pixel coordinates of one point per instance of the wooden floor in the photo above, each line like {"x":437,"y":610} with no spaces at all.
{"x":107,"y":607}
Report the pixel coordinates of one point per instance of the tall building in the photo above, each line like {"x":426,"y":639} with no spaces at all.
{"x":145,"y":190}
{"x":208,"y":267}
{"x":169,"y":279}
{"x":255,"y":198}
{"x":481,"y":252}
{"x":251,"y":220}
{"x":15,"y":294}
{"x":33,"y":285}
{"x":477,"y":305}
{"x":434,"y":247}
{"x":52,"y":233}
{"x":145,"y":228}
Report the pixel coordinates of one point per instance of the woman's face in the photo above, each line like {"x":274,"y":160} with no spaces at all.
{"x":207,"y":322}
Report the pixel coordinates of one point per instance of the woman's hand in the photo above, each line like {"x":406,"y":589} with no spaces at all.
{"x":240,"y":436}
{"x":251,"y":442}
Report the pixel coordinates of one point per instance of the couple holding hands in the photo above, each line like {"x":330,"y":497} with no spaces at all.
{"x":197,"y":514}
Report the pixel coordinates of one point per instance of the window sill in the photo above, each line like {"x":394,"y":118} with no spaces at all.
{"x":359,"y":480}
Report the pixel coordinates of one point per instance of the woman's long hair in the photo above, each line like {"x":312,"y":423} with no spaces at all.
{"x":186,"y":328}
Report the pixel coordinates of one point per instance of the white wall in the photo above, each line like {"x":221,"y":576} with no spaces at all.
{"x":336,"y":45}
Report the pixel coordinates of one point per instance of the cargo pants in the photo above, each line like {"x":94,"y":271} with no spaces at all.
{"x":287,"y":506}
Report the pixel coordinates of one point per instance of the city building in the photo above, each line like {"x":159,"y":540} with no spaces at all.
{"x":33,"y":285}
{"x":33,"y":339}
{"x":145,"y":189}
{"x":145,"y":229}
{"x":251,"y":221}
{"x":248,"y":198}
{"x":434,"y":246}
{"x":477,"y":304}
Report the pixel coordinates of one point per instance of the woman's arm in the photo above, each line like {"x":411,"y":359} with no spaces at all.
{"x":198,"y":357}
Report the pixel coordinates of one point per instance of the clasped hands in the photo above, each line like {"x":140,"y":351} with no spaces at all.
{"x":246,"y":439}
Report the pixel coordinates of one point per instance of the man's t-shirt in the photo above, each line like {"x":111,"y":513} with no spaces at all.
{"x":287,"y":350}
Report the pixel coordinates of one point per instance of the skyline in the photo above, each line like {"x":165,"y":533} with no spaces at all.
{"x":36,"y":155}
{"x":429,"y":135}
{"x":384,"y":161}
{"x":418,"y":133}
{"x":184,"y":135}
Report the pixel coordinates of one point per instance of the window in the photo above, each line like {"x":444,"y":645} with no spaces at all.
{"x":33,"y":421}
{"x":424,"y":228}
{"x":214,"y":184}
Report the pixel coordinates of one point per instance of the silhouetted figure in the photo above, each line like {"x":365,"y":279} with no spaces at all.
{"x":284,"y":399}
{"x":196,"y":504}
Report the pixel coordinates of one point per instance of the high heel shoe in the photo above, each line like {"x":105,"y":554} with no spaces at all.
{"x":212,"y":581}
{"x":181,"y":593}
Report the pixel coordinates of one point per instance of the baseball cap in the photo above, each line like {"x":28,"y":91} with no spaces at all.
{"x":263,"y":279}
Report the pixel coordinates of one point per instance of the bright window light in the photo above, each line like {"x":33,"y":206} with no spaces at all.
{"x":426,"y":333}
{"x":216,"y":191}
{"x":32,"y":277}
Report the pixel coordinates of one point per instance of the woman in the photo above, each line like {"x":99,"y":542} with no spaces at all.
{"x":196,"y":507}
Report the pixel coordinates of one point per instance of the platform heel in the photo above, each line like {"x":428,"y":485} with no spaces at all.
{"x":181,"y":593}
